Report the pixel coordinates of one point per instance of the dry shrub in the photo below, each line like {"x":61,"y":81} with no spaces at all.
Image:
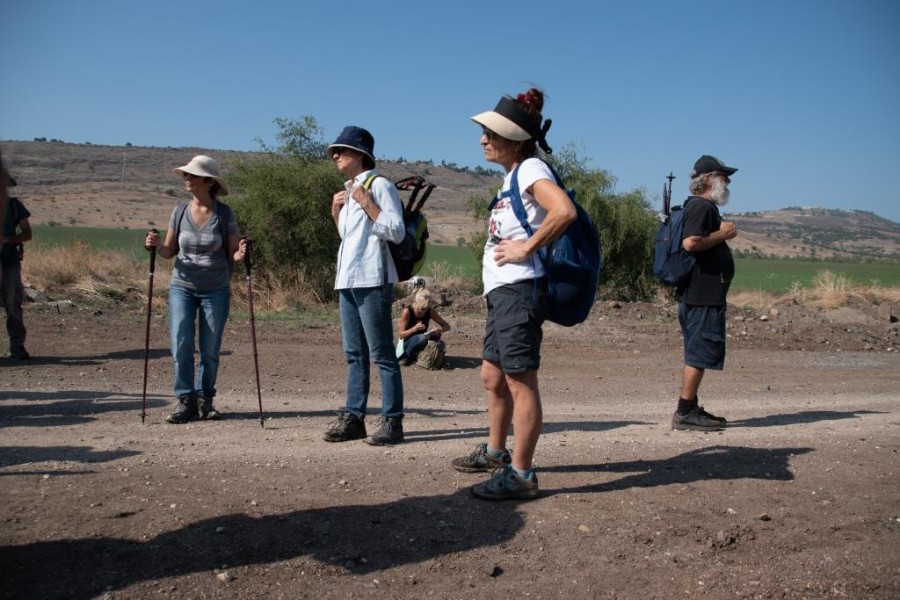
{"x":757,"y":300}
{"x":450,"y":277}
{"x":275,"y":293}
{"x":830,"y":291}
{"x":83,"y":271}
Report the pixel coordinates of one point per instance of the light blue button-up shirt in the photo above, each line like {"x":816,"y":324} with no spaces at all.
{"x":363,"y":257}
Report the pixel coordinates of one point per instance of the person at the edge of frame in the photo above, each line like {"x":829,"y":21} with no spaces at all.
{"x":702,"y":299}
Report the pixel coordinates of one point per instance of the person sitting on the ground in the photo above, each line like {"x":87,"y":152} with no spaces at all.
{"x":415,"y":328}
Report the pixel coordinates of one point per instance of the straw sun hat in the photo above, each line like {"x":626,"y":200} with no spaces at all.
{"x":204,"y":166}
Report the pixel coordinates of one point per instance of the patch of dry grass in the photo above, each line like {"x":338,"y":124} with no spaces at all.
{"x":78,"y":270}
{"x":829,"y":291}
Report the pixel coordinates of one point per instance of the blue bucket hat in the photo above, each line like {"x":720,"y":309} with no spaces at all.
{"x":355,"y":138}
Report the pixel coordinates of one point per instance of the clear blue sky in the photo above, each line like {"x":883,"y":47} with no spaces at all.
{"x":803,"y":96}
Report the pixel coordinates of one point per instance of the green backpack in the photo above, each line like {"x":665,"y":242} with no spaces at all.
{"x":432,"y":355}
{"x":409,"y":255}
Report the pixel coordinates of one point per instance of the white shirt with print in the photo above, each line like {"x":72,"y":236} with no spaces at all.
{"x":504,"y":225}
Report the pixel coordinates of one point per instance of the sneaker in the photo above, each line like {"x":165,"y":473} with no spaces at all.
{"x":505,"y":484}
{"x":712,"y":417}
{"x":186,"y":411}
{"x":208,"y":412}
{"x":479,"y":460}
{"x":345,"y":428}
{"x":390,"y":432}
{"x":696,"y":420}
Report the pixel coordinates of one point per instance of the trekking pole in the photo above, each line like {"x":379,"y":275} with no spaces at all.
{"x":152,"y":250}
{"x":253,"y":325}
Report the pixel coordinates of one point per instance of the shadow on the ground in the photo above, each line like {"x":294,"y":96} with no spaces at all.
{"x":95,"y":359}
{"x":20,"y":455}
{"x":798,"y":418}
{"x":68,"y":407}
{"x":705,"y":464}
{"x":358,"y":539}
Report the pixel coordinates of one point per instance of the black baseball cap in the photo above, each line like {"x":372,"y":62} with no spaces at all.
{"x":711,"y":164}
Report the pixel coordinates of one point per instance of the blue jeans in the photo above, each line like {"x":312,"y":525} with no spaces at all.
{"x":414,"y":344}
{"x":213,"y":307}
{"x":367,"y":330}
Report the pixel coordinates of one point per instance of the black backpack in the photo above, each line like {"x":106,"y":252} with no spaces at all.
{"x":409,"y":255}
{"x":672,"y":264}
{"x":571,"y":262}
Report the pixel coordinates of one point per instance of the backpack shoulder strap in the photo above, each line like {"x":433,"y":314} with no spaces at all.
{"x":367,"y":184}
{"x":179,"y":216}
{"x":223,"y":212}
{"x":515,"y":201}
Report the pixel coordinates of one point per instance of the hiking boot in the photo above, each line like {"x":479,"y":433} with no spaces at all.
{"x":713,"y":417}
{"x":19,"y":353}
{"x":208,"y":412}
{"x":390,"y":432}
{"x":479,"y":460}
{"x":697,"y":420}
{"x":345,"y":428}
{"x":186,"y":411}
{"x":505,"y":484}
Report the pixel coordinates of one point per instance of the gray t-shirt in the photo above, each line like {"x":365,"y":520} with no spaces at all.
{"x":202,"y":263}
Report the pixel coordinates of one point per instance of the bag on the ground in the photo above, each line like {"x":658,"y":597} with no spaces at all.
{"x":572,"y":262}
{"x":409,"y":255}
{"x":432,"y":355}
{"x":672,"y":264}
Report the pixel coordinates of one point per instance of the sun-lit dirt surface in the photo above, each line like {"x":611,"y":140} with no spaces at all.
{"x":799,"y":498}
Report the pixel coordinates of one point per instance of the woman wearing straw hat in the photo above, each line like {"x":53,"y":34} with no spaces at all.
{"x":203,"y":237}
{"x":515,"y":287}
{"x":366,"y":220}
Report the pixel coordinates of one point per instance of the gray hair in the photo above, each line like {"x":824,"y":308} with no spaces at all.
{"x":699,"y":184}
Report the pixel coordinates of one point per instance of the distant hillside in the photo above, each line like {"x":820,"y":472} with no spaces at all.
{"x":818,"y":232}
{"x":134,"y":187}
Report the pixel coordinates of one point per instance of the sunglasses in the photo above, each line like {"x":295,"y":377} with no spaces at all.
{"x":339,"y":150}
{"x":488,"y":133}
{"x":189,"y":175}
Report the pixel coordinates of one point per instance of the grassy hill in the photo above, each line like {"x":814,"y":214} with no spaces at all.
{"x":131,"y":187}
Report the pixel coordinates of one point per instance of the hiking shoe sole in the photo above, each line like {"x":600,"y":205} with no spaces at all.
{"x":689,"y":427}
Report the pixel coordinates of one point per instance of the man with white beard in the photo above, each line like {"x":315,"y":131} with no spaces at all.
{"x":701,"y":301}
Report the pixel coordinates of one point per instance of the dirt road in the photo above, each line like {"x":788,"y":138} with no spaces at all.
{"x":798,"y":498}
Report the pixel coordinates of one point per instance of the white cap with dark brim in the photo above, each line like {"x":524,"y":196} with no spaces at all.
{"x":509,"y":121}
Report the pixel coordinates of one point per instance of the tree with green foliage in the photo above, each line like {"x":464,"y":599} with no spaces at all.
{"x":282,"y":199}
{"x":626,"y":222}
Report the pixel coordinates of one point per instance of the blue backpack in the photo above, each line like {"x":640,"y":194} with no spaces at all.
{"x":572,"y":261}
{"x":672,"y":264}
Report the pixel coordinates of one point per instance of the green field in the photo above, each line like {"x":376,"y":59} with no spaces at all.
{"x":129,"y":240}
{"x":779,"y":275}
{"x":753,"y":274}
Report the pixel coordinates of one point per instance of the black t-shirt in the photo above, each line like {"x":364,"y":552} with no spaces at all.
{"x":412,"y":319}
{"x":714,"y":270}
{"x":15,"y":213}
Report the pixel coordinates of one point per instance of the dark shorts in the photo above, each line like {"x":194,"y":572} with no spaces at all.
{"x":703,"y":330}
{"x":513,"y":334}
